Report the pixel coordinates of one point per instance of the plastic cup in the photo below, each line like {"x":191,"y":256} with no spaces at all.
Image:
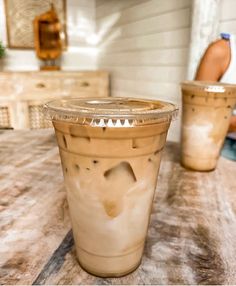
{"x":207,"y":108}
{"x":110,"y":152}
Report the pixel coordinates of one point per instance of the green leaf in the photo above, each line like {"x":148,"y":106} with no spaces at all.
{"x":2,"y":50}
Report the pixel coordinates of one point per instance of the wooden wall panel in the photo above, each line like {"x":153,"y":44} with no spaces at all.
{"x":145,"y":45}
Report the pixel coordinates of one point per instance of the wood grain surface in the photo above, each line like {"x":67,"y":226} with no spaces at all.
{"x":191,"y":238}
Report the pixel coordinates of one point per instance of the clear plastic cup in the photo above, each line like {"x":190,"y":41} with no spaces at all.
{"x":206,"y":112}
{"x":110,"y":153}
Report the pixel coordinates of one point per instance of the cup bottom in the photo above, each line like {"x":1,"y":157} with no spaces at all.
{"x":110,"y":275}
{"x":199,"y":164}
{"x":109,"y":267}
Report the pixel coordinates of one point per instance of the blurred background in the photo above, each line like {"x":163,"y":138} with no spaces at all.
{"x":147,"y":46}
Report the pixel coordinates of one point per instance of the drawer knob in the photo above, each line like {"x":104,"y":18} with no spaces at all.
{"x":84,"y":83}
{"x":40,"y":85}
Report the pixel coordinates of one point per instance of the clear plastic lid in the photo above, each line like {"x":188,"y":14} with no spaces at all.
{"x":211,"y":87}
{"x":111,"y":111}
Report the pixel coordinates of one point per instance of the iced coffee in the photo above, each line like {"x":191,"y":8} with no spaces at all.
{"x":110,"y":153}
{"x":207,"y":108}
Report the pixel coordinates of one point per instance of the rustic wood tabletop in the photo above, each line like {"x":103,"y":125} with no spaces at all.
{"x":191,"y":238}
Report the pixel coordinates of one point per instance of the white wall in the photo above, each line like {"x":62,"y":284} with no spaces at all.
{"x":209,"y":19}
{"x":228,"y":16}
{"x":81,"y":53}
{"x":144,"y":44}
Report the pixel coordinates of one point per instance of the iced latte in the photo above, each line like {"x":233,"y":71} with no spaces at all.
{"x":110,"y":153}
{"x":207,"y":108}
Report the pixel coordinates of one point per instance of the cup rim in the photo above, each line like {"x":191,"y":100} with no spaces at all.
{"x":209,"y":86}
{"x":98,"y":111}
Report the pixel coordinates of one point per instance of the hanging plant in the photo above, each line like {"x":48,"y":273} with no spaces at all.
{"x":2,"y":50}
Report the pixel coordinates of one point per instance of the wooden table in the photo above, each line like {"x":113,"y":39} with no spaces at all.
{"x":191,"y":239}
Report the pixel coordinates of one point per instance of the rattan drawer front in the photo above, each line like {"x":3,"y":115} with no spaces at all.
{"x":5,"y":120}
{"x":36,"y":118}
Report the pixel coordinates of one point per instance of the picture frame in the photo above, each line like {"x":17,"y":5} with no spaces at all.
{"x":19,"y":21}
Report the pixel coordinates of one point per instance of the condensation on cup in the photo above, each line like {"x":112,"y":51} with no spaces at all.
{"x":110,"y":153}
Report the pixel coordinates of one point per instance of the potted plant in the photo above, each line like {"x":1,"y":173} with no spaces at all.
{"x":2,"y":54}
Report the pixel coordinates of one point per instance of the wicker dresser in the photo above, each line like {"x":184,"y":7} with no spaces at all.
{"x":23,"y":93}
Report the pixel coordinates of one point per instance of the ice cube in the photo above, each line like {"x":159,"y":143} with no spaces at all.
{"x":122,"y":171}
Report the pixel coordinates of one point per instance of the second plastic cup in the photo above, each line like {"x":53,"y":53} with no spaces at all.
{"x":207,"y":108}
{"x":110,"y":153}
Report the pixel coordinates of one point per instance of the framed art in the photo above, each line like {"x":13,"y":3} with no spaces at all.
{"x":19,"y":20}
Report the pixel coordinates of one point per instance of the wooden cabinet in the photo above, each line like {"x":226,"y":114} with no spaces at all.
{"x":23,"y":93}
